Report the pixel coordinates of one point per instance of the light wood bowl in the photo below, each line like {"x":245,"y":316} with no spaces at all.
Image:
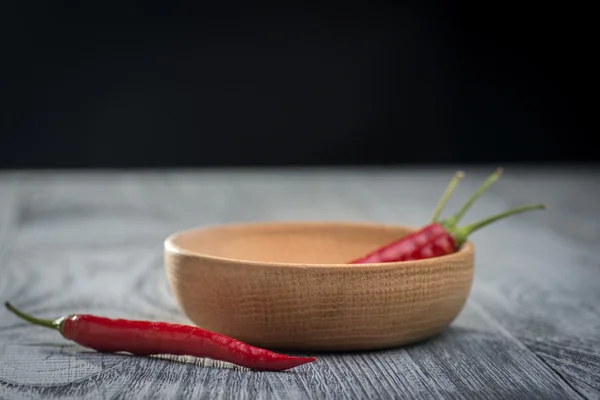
{"x":285,"y":285}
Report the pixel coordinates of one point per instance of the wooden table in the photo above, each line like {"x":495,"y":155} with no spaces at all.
{"x":92,"y":242}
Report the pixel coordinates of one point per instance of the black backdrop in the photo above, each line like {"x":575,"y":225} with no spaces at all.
{"x":178,"y":84}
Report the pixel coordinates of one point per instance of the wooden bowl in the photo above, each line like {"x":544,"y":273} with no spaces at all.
{"x":286,"y":285}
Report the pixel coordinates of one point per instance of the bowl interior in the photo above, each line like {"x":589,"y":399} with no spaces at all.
{"x":288,"y":242}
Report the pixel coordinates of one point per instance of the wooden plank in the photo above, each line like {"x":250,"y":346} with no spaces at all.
{"x":9,"y":193}
{"x":528,"y":331}
{"x":544,"y":290}
{"x":9,"y":215}
{"x":94,"y":209}
{"x":550,"y":303}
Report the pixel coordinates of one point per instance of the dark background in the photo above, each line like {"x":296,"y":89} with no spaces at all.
{"x":178,"y":84}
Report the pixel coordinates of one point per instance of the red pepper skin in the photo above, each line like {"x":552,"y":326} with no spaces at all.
{"x":432,"y":240}
{"x":148,"y":338}
{"x":153,"y":338}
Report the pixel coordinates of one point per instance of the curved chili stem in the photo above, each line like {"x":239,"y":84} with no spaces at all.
{"x":48,"y":323}
{"x":446,"y":196}
{"x":461,"y":234}
{"x":452,"y":221}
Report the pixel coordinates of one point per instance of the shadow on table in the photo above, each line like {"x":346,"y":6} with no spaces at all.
{"x":450,"y":333}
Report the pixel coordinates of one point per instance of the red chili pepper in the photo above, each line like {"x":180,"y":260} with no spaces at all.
{"x":152,"y":338}
{"x":440,"y":238}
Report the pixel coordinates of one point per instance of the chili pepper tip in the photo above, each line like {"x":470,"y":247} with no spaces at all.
{"x":499,"y":171}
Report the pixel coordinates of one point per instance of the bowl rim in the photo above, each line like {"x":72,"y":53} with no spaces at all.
{"x":170,"y":246}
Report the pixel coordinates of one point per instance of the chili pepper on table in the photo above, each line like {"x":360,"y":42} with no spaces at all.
{"x":444,"y":237}
{"x":153,"y":338}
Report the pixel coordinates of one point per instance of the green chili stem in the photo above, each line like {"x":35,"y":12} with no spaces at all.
{"x":446,"y":196}
{"x":452,"y":221}
{"x":461,"y":234}
{"x":48,"y":323}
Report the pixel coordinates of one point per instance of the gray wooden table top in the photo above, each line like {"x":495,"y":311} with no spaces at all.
{"x":92,"y":242}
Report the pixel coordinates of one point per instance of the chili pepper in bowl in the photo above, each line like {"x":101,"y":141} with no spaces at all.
{"x":153,"y":338}
{"x":444,"y":237}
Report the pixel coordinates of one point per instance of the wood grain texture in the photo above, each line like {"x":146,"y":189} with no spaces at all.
{"x":83,"y":242}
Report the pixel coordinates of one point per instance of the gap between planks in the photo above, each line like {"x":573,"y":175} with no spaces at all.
{"x":509,"y":336}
